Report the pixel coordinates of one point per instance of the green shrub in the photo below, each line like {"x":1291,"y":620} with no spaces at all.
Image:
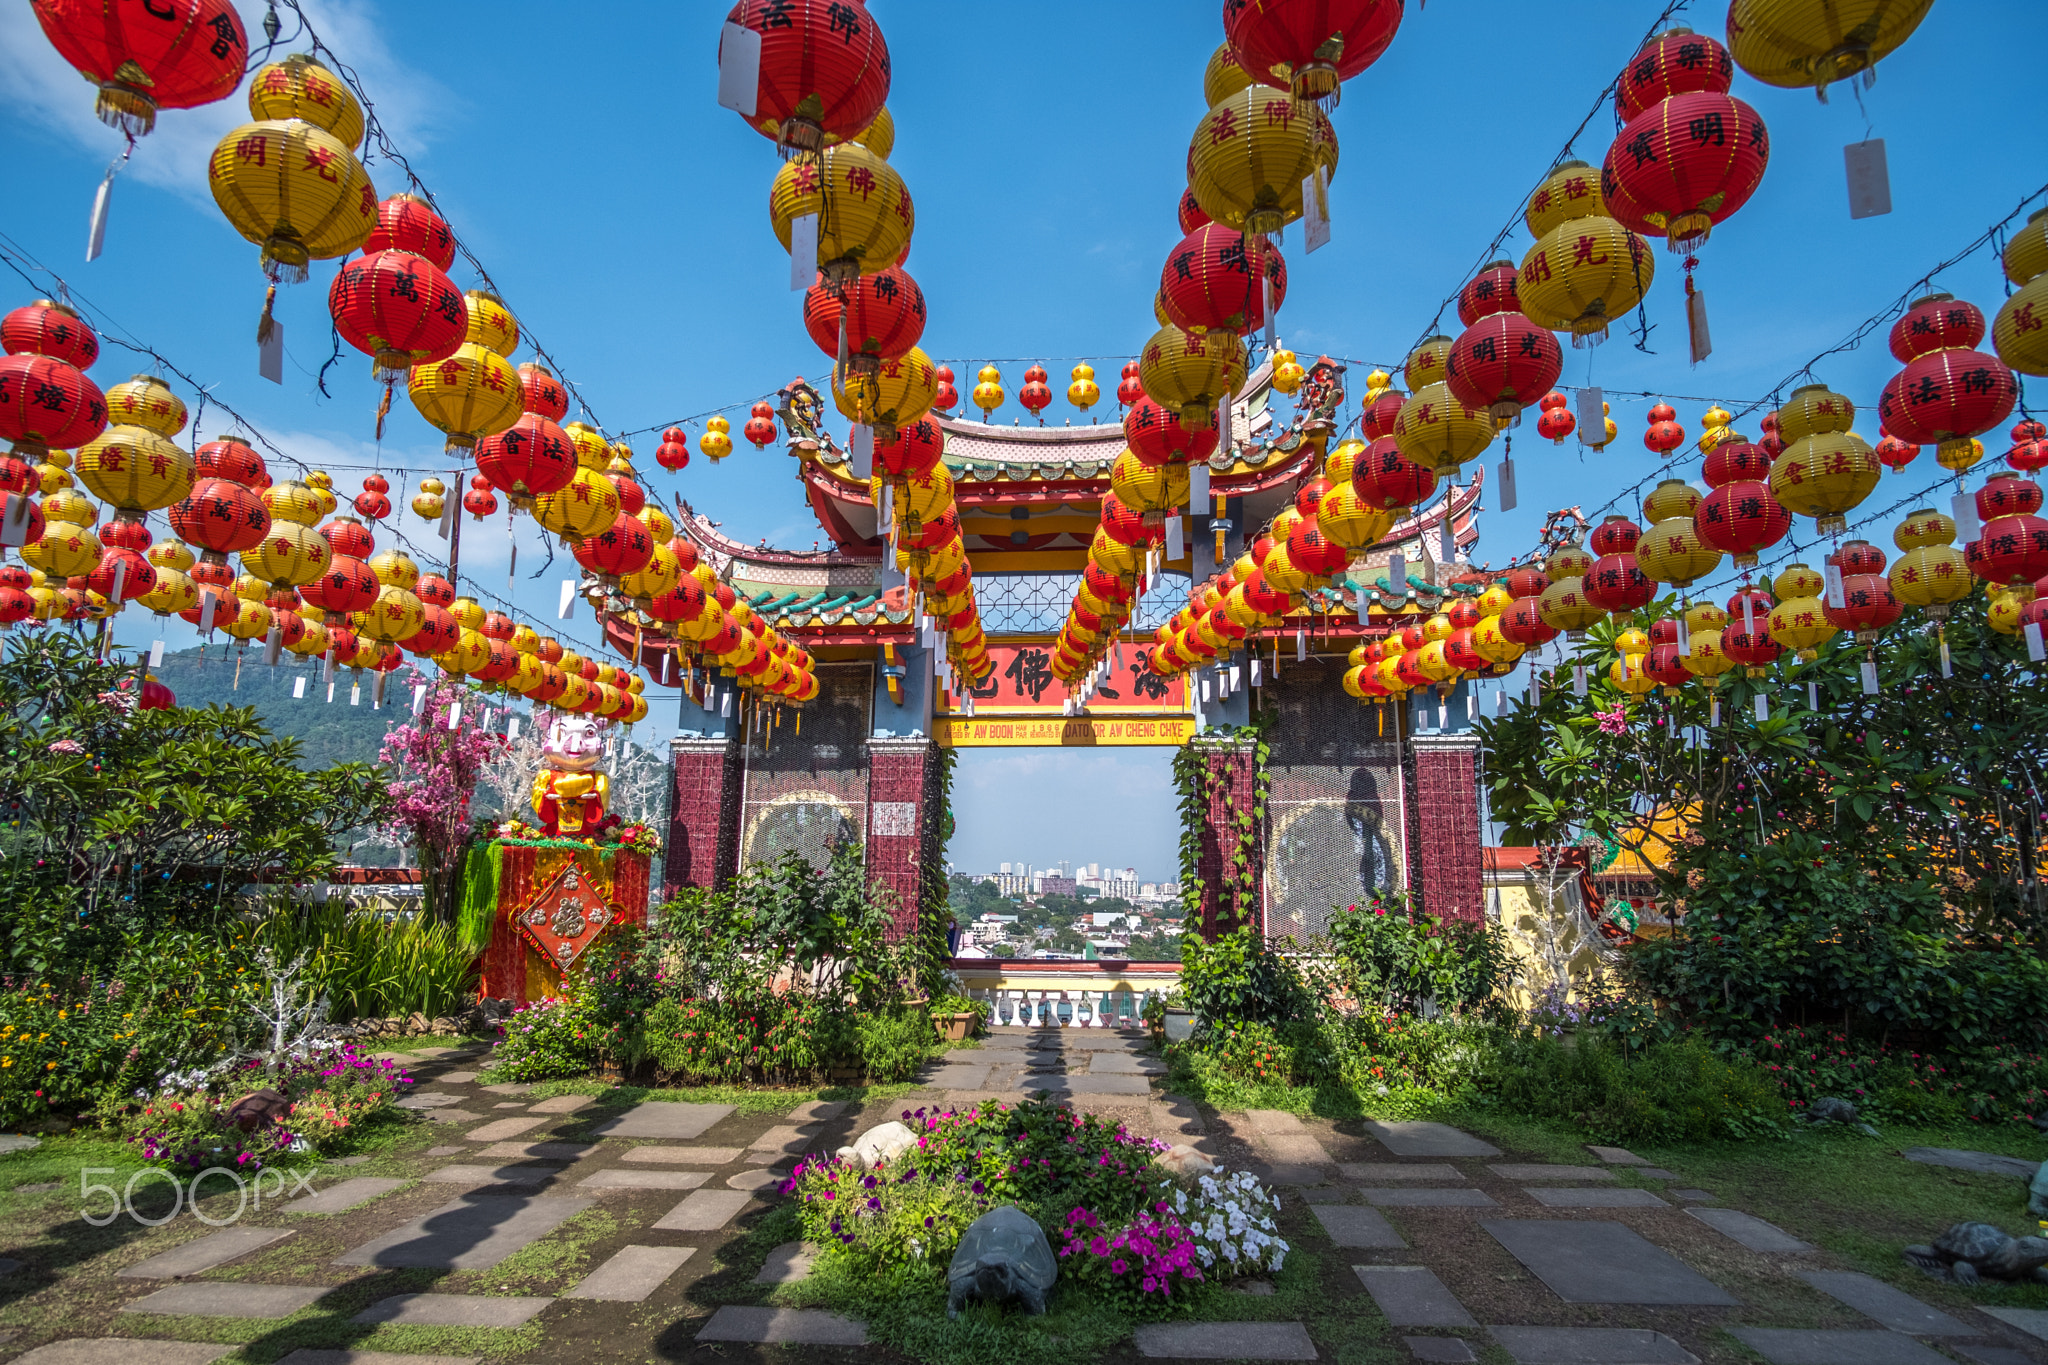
{"x":1674,"y":1092}
{"x":545,"y":1041}
{"x":893,"y":1046}
{"x":1411,"y":965}
{"x":374,"y":964}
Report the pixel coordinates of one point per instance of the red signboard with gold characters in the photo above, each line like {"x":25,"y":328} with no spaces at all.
{"x":566,"y":918}
{"x":1022,"y":682}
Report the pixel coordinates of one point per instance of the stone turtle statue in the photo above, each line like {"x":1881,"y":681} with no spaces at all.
{"x":1002,"y":1255}
{"x":1970,"y":1251}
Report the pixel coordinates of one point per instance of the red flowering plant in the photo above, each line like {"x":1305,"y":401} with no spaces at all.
{"x":436,"y":761}
{"x":1903,"y":1084}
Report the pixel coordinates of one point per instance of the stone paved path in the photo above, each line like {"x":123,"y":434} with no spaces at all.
{"x":625,"y":1232}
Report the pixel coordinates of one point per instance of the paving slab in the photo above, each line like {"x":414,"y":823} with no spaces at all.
{"x":1749,"y":1230}
{"x":1418,"y":1138}
{"x":817,"y":1111}
{"x":1423,"y":1197}
{"x":787,"y":1138}
{"x":1594,"y":1261}
{"x":227,"y":1299}
{"x":19,"y":1142}
{"x":1103,"y":1040}
{"x":1694,"y":1196}
{"x":454,"y":1310}
{"x":2032,"y":1321}
{"x":1617,"y":1156}
{"x":704,"y":1211}
{"x":1788,"y":1346}
{"x":1272,"y":1121}
{"x":345,"y":1195}
{"x":1299,"y":1148}
{"x":1894,"y":1308}
{"x":1984,"y":1163}
{"x":448,"y":1151}
{"x":1565,"y":1197}
{"x":474,"y":1232}
{"x":1398,"y":1170}
{"x":631,"y":1274}
{"x":203,"y":1253}
{"x":1994,"y":1355}
{"x":502,"y":1129}
{"x":1352,"y":1226}
{"x":787,"y":1263}
{"x":314,"y":1355}
{"x":1591,"y":1346}
{"x":1412,"y":1296}
{"x":684,"y":1156}
{"x":1225,"y":1341}
{"x":619,"y":1179}
{"x":1441,"y":1350}
{"x":542,"y":1151}
{"x":1293,"y":1173}
{"x":511,"y":1088}
{"x":430,"y":1099}
{"x":663,"y":1119}
{"x":125,"y":1351}
{"x":759,"y":1178}
{"x":1119,"y":1064}
{"x":1537,"y":1170}
{"x":798,"y":1326}
{"x":561,"y":1104}
{"x":451,"y":1115}
{"x":958,"y":1076}
{"x":457,"y":1077}
{"x":1092,"y":1085}
{"x":520,"y":1173}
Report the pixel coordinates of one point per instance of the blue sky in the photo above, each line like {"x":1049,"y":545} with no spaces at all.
{"x":624,"y":216}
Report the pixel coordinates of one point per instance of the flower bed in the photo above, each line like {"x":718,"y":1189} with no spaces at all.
{"x":323,"y":1096}
{"x":1123,"y":1227}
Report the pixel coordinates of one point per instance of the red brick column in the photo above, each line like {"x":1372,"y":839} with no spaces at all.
{"x":1448,"y":856}
{"x":1230,"y":773}
{"x":902,"y":821}
{"x":703,"y":842}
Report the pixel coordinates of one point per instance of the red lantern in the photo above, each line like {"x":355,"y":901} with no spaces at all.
{"x":1491,"y":291}
{"x":49,"y":328}
{"x":1772,"y":442}
{"x":2028,"y":456}
{"x":137,"y":575}
{"x":824,"y":69}
{"x":372,"y":502}
{"x":1859,"y":557}
{"x":1742,"y":519}
{"x":479,"y":501}
{"x":1939,"y":322}
{"x":1683,"y":165}
{"x":1616,"y":583}
{"x":917,"y":449}
{"x":632,"y":497}
{"x":1665,"y":434}
{"x":1867,"y":606}
{"x":438,"y":632}
{"x":1556,"y":423}
{"x":1751,"y":646}
{"x":1947,"y":394}
{"x":405,"y":222}
{"x":1464,"y":614}
{"x":1666,"y":664}
{"x":1895,"y":454}
{"x":345,"y":536}
{"x":1107,"y":586}
{"x":541,"y":392}
{"x":673,"y":454}
{"x":1309,"y":550}
{"x":1208,"y":282}
{"x":1308,"y":46}
{"x":1675,"y":62}
{"x":621,"y":549}
{"x":1157,"y":438}
{"x":1463,"y":655}
{"x":1035,"y":394}
{"x":1733,"y":460}
{"x":2012,"y":551}
{"x":1503,"y":363}
{"x":221,"y":518}
{"x":883,"y":313}
{"x":1615,"y":535}
{"x":683,"y":602}
{"x":47,"y":403}
{"x":1385,"y":479}
{"x":233,"y":459}
{"x":760,"y":427}
{"x":1191,"y":215}
{"x":1523,"y":623}
{"x":226,"y":607}
{"x":347,"y":585}
{"x":398,"y":308}
{"x":164,"y":54}
{"x":126,"y":535}
{"x":1377,"y":419}
{"x":947,"y":397}
{"x":530,"y":458}
{"x":1526,"y":581}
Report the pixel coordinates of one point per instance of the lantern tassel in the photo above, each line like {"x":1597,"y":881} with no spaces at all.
{"x":267,"y":324}
{"x":383,"y":409}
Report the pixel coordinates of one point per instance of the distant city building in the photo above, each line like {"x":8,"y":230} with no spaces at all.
{"x":1006,"y":869}
{"x":1054,"y":884}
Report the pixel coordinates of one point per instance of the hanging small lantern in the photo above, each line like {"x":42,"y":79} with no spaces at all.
{"x":864,"y":211}
{"x":1208,"y":282}
{"x":1740,"y":516}
{"x":873,"y":318}
{"x":1129,"y":389}
{"x":716,"y":442}
{"x":427,"y":504}
{"x":1826,"y":469}
{"x":1949,"y":391}
{"x":1084,"y":393}
{"x":1305,"y":49}
{"x":1439,"y":431}
{"x":1036,"y":395}
{"x":760,"y":425}
{"x":479,"y":501}
{"x":1664,"y":434}
{"x":1556,"y":421}
{"x":1585,"y":269}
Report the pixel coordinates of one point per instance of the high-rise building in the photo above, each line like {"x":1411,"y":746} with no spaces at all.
{"x":1006,"y":869}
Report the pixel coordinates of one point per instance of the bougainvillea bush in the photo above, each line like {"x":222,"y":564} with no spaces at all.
{"x":1120,"y":1223}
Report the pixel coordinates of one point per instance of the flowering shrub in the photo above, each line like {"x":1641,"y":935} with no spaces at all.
{"x":1138,"y":1264}
{"x":331,"y":1092}
{"x":546,"y":1039}
{"x":1230,"y":1222}
{"x":1903,"y":1084}
{"x":896,"y":1215}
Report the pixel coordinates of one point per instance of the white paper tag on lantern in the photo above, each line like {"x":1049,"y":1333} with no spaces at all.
{"x":1471,"y":704}
{"x":121,"y":581}
{"x":15,"y":521}
{"x":1500,"y":702}
{"x":1812,"y":696}
{"x":1301,"y":646}
{"x":1397,"y":575}
{"x":1696,"y":328}
{"x":1965,"y":512}
{"x":1315,"y":210}
{"x":739,"y":69}
{"x":1945,"y":670}
{"x":2035,"y":654}
{"x":449,"y":506}
{"x":1837,"y":594}
{"x":1443,"y":715}
{"x":1255,"y":670}
{"x":1870,"y":181}
{"x":725,"y":703}
{"x":419,"y":698}
{"x":1198,"y":487}
{"x":1592,"y":416}
{"x":568,"y":602}
{"x":96,"y":230}
{"x":455,"y":715}
{"x":377,"y":691}
{"x":1506,"y":478}
{"x":1763,"y":708}
{"x":1205,"y":688}
{"x":512,"y":728}
{"x":1225,"y":437}
{"x":1236,"y":676}
{"x":156,"y":653}
{"x":330,"y":694}
{"x":1363,"y":592}
{"x":1174,"y":548}
{"x":1748,"y":614}
{"x":1684,"y":636}
{"x":272,"y":643}
{"x":1714,"y":711}
{"x":1535,"y":689}
{"x":1272,"y":323}
{"x":1869,"y":678}
{"x":299,"y":687}
{"x":355,"y":694}
{"x":1578,"y":680}
{"x":270,"y":353}
{"x":207,"y":603}
{"x":803,"y":253}
{"x":860,"y":451}
{"x":327,"y":673}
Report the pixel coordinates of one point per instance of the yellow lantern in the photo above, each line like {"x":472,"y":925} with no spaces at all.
{"x":427,"y":504}
{"x":2020,"y":331}
{"x":1930,"y":572}
{"x":1706,"y":660}
{"x":468,"y":613}
{"x":864,"y":210}
{"x":313,"y":638}
{"x":1346,"y":520}
{"x":878,"y":137}
{"x":1812,"y":409}
{"x":988,"y":388}
{"x":171,"y":554}
{"x":252,"y":620}
{"x":1435,"y":430}
{"x":395,"y":615}
{"x":1189,"y":373}
{"x":716,"y":442}
{"x":1288,"y":375}
{"x":70,"y":506}
{"x":1705,"y":616}
{"x":1280,"y":572}
{"x":1794,"y":43}
{"x":1338,"y":464}
{"x":66,"y":550}
{"x":1223,"y":77}
{"x":1582,"y":275}
{"x":1437,"y":627}
{"x":135,"y":469}
{"x":898,"y":393}
{"x":293,"y":501}
{"x":291,"y":555}
{"x":1801,"y":623}
{"x":1493,"y":646}
{"x":294,"y":189}
{"x":593,"y":452}
{"x":470,"y":652}
{"x":1084,"y":393}
{"x":300,"y":88}
{"x":1570,"y":191}
{"x":173,"y":591}
{"x":472,"y":394}
{"x":147,"y":402}
{"x":1823,"y":476}
{"x":1627,"y":674}
{"x":1249,"y":155}
{"x":656,"y":577}
{"x":1148,"y":488}
{"x":2002,"y":613}
{"x":923,"y":497}
{"x":1568,"y":560}
{"x":659,"y":528}
{"x":1112,"y":554}
{"x":1564,"y":607}
{"x":1495,"y":601}
{"x":1431,"y":660}
{"x":395,"y":569}
{"x":1670,"y":551}
{"x":54,"y":472}
{"x":491,"y":323}
{"x":1427,"y":363}
{"x":586,"y":506}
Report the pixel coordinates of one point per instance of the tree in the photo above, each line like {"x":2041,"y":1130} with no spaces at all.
{"x":436,"y":763}
{"x":138,"y":818}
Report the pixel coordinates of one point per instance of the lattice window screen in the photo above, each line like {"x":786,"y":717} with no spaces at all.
{"x":807,"y":791}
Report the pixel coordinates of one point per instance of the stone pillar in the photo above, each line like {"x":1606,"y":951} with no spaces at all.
{"x":903,"y":815}
{"x":1230,"y":771}
{"x":1445,"y":869}
{"x":703,"y":844}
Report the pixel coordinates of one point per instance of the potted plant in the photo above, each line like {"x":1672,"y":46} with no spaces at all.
{"x":1176,"y":1018}
{"x":956,"y":1017}
{"x":1154,"y":1016}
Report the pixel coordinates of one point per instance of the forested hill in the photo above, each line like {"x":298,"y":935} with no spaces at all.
{"x":328,"y":733}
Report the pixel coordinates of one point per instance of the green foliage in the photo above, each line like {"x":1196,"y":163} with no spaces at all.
{"x":546,"y":1040}
{"x":1679,"y":1091}
{"x":1413,"y":966}
{"x":1903,"y":1085}
{"x":374,"y":964}
{"x":1239,"y":978}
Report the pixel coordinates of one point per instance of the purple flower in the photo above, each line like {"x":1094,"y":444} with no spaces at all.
{"x":1118,"y":1266}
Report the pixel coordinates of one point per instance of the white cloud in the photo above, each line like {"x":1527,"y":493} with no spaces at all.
{"x":37,"y":84}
